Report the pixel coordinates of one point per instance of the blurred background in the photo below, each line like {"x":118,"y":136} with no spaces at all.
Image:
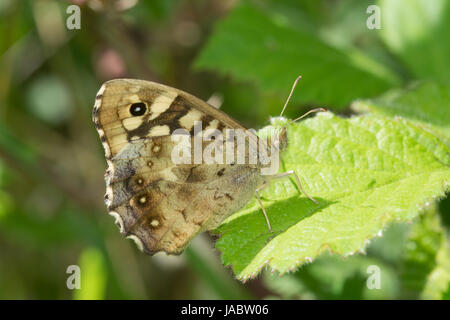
{"x":244,"y":53}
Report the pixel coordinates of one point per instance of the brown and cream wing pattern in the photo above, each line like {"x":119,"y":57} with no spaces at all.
{"x":157,"y":203}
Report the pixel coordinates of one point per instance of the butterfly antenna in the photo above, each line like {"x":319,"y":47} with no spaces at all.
{"x":289,"y":98}
{"x":307,"y":113}
{"x":290,"y":95}
{"x":301,"y":117}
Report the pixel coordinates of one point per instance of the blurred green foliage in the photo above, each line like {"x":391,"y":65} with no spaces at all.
{"x":249,"y":52}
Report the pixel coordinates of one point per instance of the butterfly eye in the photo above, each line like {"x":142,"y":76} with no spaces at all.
{"x":138,"y":109}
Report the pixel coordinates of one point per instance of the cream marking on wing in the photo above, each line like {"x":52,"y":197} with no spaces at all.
{"x":138,"y":242}
{"x":158,"y":131}
{"x":212,"y":125}
{"x":110,"y":167}
{"x":132,"y":123}
{"x":161,"y":104}
{"x":97,"y":104}
{"x":154,"y":223}
{"x":105,"y":144}
{"x":133,"y":98}
{"x":119,"y":220}
{"x":108,"y":196}
{"x":168,"y":175}
{"x":109,"y":191}
{"x":187,"y":121}
{"x":142,"y":199}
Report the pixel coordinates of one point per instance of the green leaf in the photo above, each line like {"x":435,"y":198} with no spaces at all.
{"x":333,"y":277}
{"x":429,"y":250}
{"x":438,"y":283}
{"x":364,"y":172}
{"x":391,"y":245}
{"x":426,"y":103}
{"x":253,"y":45}
{"x":94,"y":275}
{"x":417,"y":31}
{"x":424,"y":241}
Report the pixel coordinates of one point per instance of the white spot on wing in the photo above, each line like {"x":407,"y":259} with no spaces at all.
{"x":104,"y":143}
{"x":119,"y":220}
{"x":154,"y":223}
{"x":98,"y":102}
{"x":97,"y":105}
{"x":109,"y":195}
{"x":138,"y":242}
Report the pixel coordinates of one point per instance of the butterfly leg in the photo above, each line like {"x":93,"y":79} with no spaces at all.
{"x":262,"y":206}
{"x":277,"y":176}
{"x":297,"y":180}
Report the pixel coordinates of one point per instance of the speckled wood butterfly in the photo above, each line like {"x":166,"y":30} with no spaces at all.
{"x":160,"y":204}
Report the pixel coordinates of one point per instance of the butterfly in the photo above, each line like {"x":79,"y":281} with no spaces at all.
{"x":159,"y":204}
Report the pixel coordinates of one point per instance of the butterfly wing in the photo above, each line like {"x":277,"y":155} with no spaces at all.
{"x":167,"y":108}
{"x":159,"y":204}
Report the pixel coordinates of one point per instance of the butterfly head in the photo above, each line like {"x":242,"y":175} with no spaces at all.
{"x":279,"y":136}
{"x":275,"y":134}
{"x":279,"y":125}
